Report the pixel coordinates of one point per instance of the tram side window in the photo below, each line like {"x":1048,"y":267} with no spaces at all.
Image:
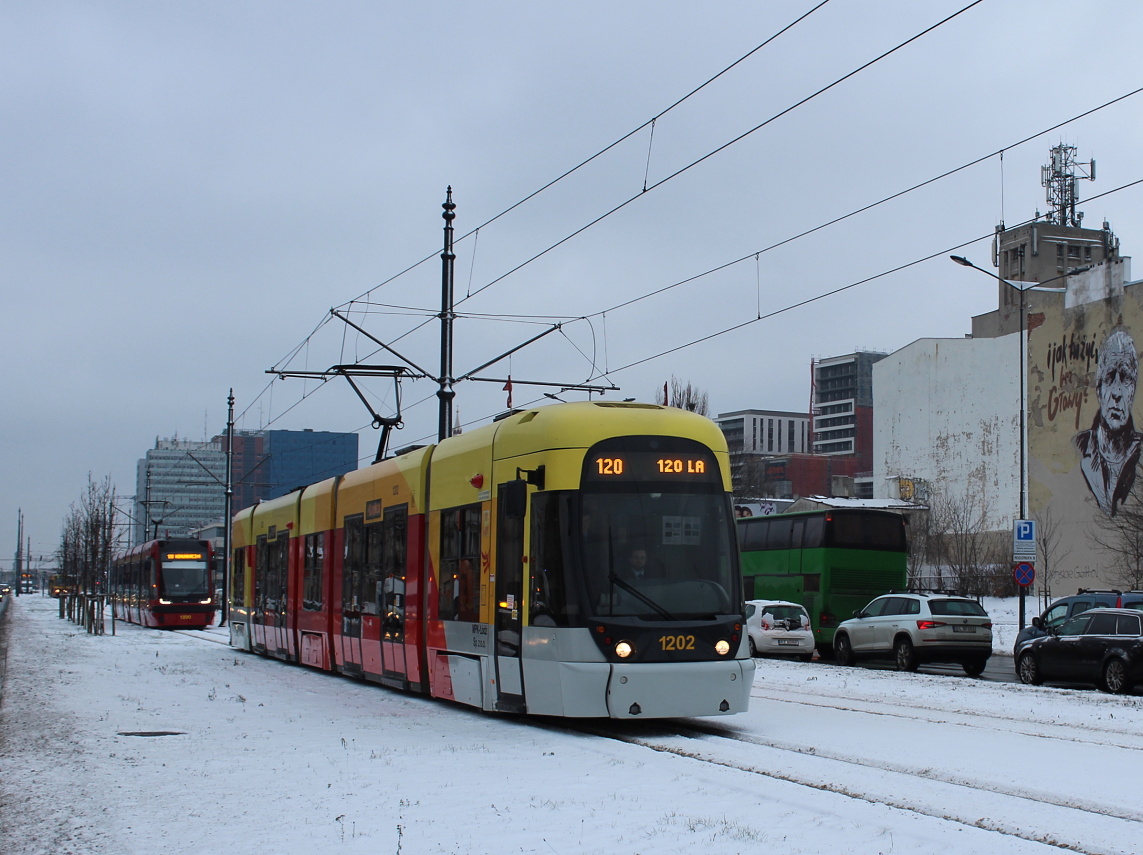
{"x":312,"y":572}
{"x":261,"y":565}
{"x":353,"y":567}
{"x":276,"y":578}
{"x":238,"y":577}
{"x":393,"y":567}
{"x":370,"y":591}
{"x":459,"y":582}
{"x":548,"y":604}
{"x":150,"y":588}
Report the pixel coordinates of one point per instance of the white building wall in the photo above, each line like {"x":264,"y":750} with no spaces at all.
{"x":946,"y":415}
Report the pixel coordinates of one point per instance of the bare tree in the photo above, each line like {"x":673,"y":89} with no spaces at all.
{"x":1121,"y":537}
{"x":922,"y":546}
{"x":1050,"y":551}
{"x":749,"y":476}
{"x":969,"y":556}
{"x":685,"y":397}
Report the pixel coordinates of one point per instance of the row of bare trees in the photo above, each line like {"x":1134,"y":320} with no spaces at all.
{"x":951,"y":547}
{"x":88,"y":537}
{"x":1121,"y":537}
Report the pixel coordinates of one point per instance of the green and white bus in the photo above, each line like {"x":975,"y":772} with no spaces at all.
{"x":831,"y":561}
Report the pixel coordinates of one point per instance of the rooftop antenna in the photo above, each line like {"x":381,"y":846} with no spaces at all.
{"x":1060,"y":177}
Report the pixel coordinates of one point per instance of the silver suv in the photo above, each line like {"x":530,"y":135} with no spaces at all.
{"x":912,"y":629}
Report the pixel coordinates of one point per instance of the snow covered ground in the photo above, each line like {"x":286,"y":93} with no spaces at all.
{"x":262,"y":757}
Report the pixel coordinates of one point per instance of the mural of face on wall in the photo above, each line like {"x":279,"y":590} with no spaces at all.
{"x":1109,"y":451}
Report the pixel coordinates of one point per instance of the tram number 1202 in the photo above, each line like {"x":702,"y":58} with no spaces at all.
{"x":676,"y":642}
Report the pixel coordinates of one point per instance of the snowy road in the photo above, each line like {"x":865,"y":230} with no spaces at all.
{"x":861,"y":751}
{"x":268,"y":758}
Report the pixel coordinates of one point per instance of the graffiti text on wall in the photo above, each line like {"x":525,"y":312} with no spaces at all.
{"x":1070,"y":362}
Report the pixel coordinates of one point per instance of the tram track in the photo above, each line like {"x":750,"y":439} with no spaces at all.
{"x":203,"y":635}
{"x":976,"y":719}
{"x":1011,"y":811}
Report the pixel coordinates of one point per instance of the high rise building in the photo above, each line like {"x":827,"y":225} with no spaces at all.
{"x":829,"y":453}
{"x":843,"y":406}
{"x":250,"y":474}
{"x":756,"y":436}
{"x":180,"y":486}
{"x":298,"y":458}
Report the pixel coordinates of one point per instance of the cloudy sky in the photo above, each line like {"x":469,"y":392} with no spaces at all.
{"x":189,"y":188}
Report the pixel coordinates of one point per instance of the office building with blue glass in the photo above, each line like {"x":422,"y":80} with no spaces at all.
{"x":297,"y":458}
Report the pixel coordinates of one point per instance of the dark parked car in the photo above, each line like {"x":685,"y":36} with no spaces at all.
{"x":1101,"y":647}
{"x":1068,"y":607}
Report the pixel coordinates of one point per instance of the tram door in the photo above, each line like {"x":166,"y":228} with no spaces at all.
{"x":510,"y":594}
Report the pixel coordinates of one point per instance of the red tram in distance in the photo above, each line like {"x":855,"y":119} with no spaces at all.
{"x":164,"y":584}
{"x":491,"y":569}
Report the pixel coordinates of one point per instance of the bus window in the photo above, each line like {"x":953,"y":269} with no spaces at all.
{"x":753,"y":534}
{"x":778,"y":533}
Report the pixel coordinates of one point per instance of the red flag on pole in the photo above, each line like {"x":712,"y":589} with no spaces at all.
{"x":508,"y":389}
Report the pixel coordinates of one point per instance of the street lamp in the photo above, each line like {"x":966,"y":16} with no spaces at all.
{"x":964,"y":262}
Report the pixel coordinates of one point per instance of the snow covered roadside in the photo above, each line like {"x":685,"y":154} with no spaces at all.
{"x":267,"y":758}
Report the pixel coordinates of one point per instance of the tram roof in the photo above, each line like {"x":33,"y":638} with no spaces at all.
{"x":581,"y":424}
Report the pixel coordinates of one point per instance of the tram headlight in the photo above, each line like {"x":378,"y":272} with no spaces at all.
{"x":624,"y":649}
{"x":722,"y":647}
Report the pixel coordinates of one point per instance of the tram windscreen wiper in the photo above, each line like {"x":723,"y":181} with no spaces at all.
{"x":631,"y":589}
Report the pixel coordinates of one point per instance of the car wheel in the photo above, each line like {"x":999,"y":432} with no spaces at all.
{"x":842,"y":650}
{"x":905,"y":656}
{"x":1028,"y":671}
{"x":974,"y":667}
{"x":1115,"y":677}
{"x":753,"y":649}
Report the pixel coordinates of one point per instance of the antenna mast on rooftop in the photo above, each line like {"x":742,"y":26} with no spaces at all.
{"x":1060,"y":177}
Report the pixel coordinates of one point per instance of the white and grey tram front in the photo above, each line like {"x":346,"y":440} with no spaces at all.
{"x":636,"y":601}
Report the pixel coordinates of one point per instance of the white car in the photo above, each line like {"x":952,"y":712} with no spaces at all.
{"x":779,"y":628}
{"x":915,"y":628}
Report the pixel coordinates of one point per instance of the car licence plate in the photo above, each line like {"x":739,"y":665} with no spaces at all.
{"x":964,"y":629}
{"x":793,"y":642}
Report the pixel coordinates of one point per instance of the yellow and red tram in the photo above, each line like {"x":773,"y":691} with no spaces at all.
{"x":164,"y":584}
{"x":492,"y":568}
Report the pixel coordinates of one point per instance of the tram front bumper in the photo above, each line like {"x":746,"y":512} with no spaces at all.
{"x":661,"y":690}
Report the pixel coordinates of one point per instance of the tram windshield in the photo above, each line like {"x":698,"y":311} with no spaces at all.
{"x":658,"y":555}
{"x":185,"y":580}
